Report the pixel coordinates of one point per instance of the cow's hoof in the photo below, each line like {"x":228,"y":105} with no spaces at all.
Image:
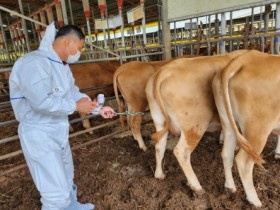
{"x":160,"y":176}
{"x":277,"y":155}
{"x":256,"y":203}
{"x":230,"y":189}
{"x":144,"y":148}
{"x":200,"y":192}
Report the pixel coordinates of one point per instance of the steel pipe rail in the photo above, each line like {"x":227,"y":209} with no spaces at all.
{"x":100,"y":60}
{"x":16,"y":153}
{"x":5,"y":70}
{"x":124,"y":57}
{"x":12,"y":122}
{"x":16,"y":168}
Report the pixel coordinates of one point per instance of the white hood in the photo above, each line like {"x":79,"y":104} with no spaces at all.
{"x":48,"y":37}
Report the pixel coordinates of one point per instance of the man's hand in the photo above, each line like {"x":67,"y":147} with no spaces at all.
{"x":85,"y":105}
{"x":107,"y":112}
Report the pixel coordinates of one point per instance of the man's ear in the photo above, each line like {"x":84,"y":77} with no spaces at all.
{"x":67,"y":41}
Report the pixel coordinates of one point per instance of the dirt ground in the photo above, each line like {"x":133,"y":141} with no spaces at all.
{"x":115,"y":174}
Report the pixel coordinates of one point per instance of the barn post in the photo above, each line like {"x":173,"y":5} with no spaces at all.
{"x":222,"y":48}
{"x":23,"y":23}
{"x":64,"y":12}
{"x":277,"y":28}
{"x":37,"y":26}
{"x":49,"y":13}
{"x":16,"y":38}
{"x":175,"y":40}
{"x":32,"y":26}
{"x":71,"y":12}
{"x":21,"y":36}
{"x":144,"y":23}
{"x":230,"y":31}
{"x":13,"y":39}
{"x":102,"y":6}
{"x":4,"y":37}
{"x":166,"y":31}
{"x":191,"y":35}
{"x":43,"y":18}
{"x":58,"y":13}
{"x":120,"y":5}
{"x":208,"y":36}
{"x":87,"y":15}
{"x":159,"y":22}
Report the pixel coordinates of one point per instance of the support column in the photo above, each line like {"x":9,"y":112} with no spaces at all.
{"x":43,"y":18}
{"x":230,"y":31}
{"x":4,"y":37}
{"x":102,"y":6}
{"x":37,"y":26}
{"x":50,"y":13}
{"x":59,"y":13}
{"x":23,"y":23}
{"x":277,"y":27}
{"x":144,"y":23}
{"x":159,"y":22}
{"x":87,"y":15}
{"x":64,"y":12}
{"x":191,"y":35}
{"x":166,"y":31}
{"x":32,"y":26}
{"x":13,"y":40}
{"x":223,"y":33}
{"x":71,"y":12}
{"x":209,"y":35}
{"x":120,"y":4}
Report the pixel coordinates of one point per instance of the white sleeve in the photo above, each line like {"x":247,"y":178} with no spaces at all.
{"x":37,"y":89}
{"x":77,"y":95}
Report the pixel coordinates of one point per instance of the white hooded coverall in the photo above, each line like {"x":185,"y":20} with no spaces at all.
{"x":43,"y":94}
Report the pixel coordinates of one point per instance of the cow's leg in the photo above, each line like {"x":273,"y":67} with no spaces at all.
{"x":228,"y":135}
{"x":222,"y":137}
{"x":160,"y":148}
{"x":277,"y":150}
{"x":134,"y":122}
{"x":160,"y":144}
{"x":86,"y":123}
{"x":183,"y":151}
{"x":244,"y":162}
{"x":245,"y":168}
{"x":228,"y":156}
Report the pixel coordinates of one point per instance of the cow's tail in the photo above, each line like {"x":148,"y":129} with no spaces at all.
{"x":160,"y":76}
{"x":233,"y":68}
{"x":120,"y":104}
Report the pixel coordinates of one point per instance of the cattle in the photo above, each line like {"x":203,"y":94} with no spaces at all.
{"x":181,"y":101}
{"x":131,"y":79}
{"x":4,"y":77}
{"x":92,"y":75}
{"x":248,"y":103}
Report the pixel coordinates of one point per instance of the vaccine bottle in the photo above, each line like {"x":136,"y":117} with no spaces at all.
{"x":100,"y":99}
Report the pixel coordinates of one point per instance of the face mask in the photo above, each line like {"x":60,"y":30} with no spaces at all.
{"x":73,"y":58}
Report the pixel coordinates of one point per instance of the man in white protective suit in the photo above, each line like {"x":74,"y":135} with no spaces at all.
{"x":43,"y":94}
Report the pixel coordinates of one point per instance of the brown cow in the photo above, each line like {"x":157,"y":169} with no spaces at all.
{"x":181,"y":100}
{"x":131,"y":79}
{"x":245,"y":96}
{"x":4,"y":77}
{"x":92,"y":75}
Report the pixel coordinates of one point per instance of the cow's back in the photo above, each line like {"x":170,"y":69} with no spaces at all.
{"x":95,"y":74}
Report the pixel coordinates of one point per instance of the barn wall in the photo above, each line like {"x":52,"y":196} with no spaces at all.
{"x":184,"y":9}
